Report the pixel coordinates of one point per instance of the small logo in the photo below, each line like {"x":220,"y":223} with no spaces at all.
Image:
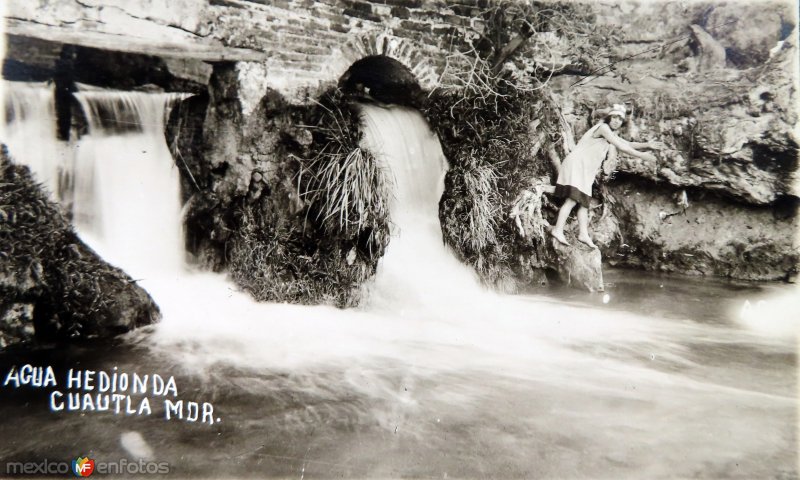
{"x":82,"y":466}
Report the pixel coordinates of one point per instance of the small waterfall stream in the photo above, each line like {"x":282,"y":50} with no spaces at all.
{"x":29,"y":132}
{"x":127,"y":188}
{"x":417,"y":269}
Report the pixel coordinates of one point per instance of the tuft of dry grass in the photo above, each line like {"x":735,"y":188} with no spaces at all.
{"x":346,"y":188}
{"x":348,"y":191}
{"x":480,"y":183}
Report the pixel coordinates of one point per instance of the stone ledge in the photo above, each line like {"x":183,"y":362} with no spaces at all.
{"x":205,"y":51}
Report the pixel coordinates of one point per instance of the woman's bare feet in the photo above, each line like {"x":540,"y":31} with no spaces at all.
{"x":559,"y":236}
{"x":586,"y":240}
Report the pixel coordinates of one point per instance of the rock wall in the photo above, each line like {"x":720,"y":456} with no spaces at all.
{"x":709,"y":236}
{"x":250,"y":207}
{"x":730,"y":127}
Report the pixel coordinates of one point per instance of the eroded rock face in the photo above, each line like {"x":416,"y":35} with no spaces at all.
{"x":696,"y":232}
{"x":730,"y":130}
{"x":748,"y":31}
{"x":52,"y":286}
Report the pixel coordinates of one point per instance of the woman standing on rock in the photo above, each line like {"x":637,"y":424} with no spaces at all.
{"x":579,"y":169}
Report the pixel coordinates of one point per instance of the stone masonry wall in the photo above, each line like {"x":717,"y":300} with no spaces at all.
{"x":297,"y":44}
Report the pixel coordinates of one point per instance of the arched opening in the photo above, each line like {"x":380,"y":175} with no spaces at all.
{"x":382,"y":79}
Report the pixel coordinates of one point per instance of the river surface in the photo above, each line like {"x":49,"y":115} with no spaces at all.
{"x":666,"y":380}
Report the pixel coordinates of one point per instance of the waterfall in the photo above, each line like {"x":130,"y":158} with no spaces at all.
{"x":30,"y":119}
{"x":417,"y":267}
{"x":127,"y":188}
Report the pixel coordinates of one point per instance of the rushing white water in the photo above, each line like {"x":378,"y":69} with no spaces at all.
{"x":30,"y":120}
{"x":127,"y":188}
{"x":417,"y":269}
{"x":421,"y":293}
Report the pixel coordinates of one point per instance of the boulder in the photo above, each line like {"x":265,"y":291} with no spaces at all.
{"x":748,"y":31}
{"x":579,"y":266}
{"x":711,"y":54}
{"x":52,"y":286}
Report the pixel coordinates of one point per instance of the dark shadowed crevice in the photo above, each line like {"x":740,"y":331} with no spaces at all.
{"x":383,"y":79}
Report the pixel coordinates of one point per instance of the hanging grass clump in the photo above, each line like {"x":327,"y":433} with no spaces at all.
{"x":345,"y":186}
{"x":347,"y":190}
{"x":497,"y":137}
{"x":501,"y":128}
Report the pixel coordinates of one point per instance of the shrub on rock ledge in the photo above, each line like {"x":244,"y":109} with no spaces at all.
{"x":499,"y":137}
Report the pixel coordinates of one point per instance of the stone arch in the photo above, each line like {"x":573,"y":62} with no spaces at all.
{"x":403,"y":50}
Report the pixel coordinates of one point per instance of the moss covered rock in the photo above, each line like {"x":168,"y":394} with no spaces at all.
{"x":52,"y":286}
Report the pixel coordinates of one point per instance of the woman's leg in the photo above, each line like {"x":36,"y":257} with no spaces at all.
{"x":583,"y":226}
{"x":561,"y":221}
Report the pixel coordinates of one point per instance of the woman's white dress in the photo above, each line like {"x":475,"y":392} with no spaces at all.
{"x":579,"y":169}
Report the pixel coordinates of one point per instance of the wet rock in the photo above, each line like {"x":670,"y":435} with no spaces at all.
{"x":52,"y":286}
{"x":579,"y":266}
{"x":706,"y":235}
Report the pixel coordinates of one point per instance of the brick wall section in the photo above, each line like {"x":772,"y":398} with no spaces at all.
{"x":315,"y":42}
{"x":303,"y":43}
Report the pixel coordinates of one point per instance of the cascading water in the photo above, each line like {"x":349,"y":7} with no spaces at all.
{"x":435,"y":376}
{"x":127,"y":188}
{"x":417,"y":269}
{"x":30,"y":119}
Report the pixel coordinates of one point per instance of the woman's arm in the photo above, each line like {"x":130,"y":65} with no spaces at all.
{"x":622,"y":145}
{"x":648,"y":145}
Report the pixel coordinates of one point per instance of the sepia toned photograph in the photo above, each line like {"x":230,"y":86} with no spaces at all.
{"x":379,"y":239}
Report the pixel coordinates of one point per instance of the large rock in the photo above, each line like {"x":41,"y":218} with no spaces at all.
{"x":730,"y":131}
{"x":579,"y":266}
{"x":741,"y":143}
{"x":52,"y":286}
{"x":696,"y":232}
{"x":748,"y":31}
{"x":711,"y":54}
